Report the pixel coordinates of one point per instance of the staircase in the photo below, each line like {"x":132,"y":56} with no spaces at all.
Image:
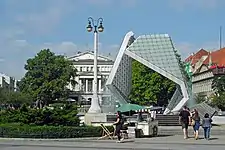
{"x":203,"y":108}
{"x":167,"y":120}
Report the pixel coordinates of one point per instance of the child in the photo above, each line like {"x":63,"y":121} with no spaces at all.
{"x":207,"y":124}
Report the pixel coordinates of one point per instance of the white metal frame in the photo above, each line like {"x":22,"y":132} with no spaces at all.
{"x":124,"y":51}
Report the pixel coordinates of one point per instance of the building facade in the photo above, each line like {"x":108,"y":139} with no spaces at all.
{"x":84,"y":62}
{"x":205,"y":66}
{"x":8,"y":82}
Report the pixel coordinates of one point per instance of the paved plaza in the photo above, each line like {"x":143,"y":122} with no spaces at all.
{"x":158,"y":143}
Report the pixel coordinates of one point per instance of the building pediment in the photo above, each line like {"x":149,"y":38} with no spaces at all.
{"x":203,"y":68}
{"x":88,"y":56}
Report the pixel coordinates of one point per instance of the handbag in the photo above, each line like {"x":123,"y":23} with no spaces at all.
{"x":192,"y":122}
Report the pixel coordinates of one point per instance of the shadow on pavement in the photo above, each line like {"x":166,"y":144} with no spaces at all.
{"x":161,"y":135}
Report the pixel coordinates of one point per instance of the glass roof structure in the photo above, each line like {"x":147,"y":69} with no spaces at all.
{"x":156,"y":52}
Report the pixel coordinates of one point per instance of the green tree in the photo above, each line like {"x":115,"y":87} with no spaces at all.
{"x":16,"y":97}
{"x":3,"y":96}
{"x":219,"y":84}
{"x":47,"y":77}
{"x":218,"y":101}
{"x":149,"y":87}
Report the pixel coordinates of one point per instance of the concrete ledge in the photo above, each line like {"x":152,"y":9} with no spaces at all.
{"x":219,"y":120}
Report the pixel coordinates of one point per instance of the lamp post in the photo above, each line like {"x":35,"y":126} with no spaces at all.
{"x":98,"y":27}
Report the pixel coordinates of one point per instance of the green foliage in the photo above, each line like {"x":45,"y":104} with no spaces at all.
{"x":47,"y":76}
{"x":219,"y":101}
{"x":66,"y":116}
{"x":219,"y":84}
{"x":149,"y":87}
{"x":8,"y":97}
{"x":25,"y":131}
{"x":182,"y":66}
{"x":2,"y":96}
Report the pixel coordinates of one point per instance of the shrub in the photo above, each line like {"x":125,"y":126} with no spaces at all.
{"x":53,"y":117}
{"x":28,"y":131}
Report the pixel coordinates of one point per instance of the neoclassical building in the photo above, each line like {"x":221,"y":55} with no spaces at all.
{"x":205,"y":66}
{"x":83,"y":62}
{"x":8,"y":82}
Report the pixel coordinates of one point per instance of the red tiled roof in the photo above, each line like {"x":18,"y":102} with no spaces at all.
{"x":195,"y":58}
{"x":217,"y":57}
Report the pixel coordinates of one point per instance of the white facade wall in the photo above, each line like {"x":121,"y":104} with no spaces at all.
{"x":202,"y":82}
{"x":8,"y":82}
{"x":84,"y":62}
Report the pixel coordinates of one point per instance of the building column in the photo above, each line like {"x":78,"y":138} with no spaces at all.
{"x":79,"y":86}
{"x":93,"y":84}
{"x":86,"y":81}
{"x":99,"y":85}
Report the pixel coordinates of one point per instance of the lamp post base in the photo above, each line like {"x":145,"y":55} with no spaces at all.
{"x":95,"y":108}
{"x":95,"y":118}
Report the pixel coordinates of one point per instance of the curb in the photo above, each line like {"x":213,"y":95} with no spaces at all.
{"x":63,"y":140}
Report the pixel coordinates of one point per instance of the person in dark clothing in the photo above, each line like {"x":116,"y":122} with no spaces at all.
{"x":185,"y":120}
{"x":119,"y":124}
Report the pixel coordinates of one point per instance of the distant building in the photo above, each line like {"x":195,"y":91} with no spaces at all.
{"x":84,"y":62}
{"x":205,"y":66}
{"x":8,"y":82}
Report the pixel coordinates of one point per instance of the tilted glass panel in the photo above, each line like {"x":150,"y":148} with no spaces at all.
{"x":122,"y":79}
{"x":157,"y":49}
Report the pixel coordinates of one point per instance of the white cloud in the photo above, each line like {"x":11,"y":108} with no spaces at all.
{"x":63,"y":48}
{"x":21,"y":43}
{"x":187,"y":48}
{"x":44,"y":19}
{"x":18,"y":51}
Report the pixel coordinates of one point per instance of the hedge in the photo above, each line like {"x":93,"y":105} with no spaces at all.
{"x":39,"y":117}
{"x":26,"y":131}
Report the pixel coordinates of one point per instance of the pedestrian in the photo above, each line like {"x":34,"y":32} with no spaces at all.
{"x":195,"y":123}
{"x":206,"y":125}
{"x":185,"y":120}
{"x":119,"y":124}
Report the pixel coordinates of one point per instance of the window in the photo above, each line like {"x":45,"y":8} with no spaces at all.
{"x":90,"y":81}
{"x":83,"y":85}
{"x":81,"y":69}
{"x":220,"y":70}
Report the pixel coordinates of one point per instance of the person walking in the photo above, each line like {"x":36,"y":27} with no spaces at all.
{"x":185,"y":120}
{"x":195,"y":123}
{"x":119,"y":124}
{"x":206,"y":125}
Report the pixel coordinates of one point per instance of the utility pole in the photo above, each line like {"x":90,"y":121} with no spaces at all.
{"x":220,"y":37}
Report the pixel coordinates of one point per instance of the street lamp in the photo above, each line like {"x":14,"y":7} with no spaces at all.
{"x":98,"y":27}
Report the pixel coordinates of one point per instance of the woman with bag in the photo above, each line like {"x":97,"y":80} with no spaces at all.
{"x":119,"y":124}
{"x":207,"y":125}
{"x":195,"y":123}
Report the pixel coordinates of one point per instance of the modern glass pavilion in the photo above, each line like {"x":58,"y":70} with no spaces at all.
{"x":156,"y":52}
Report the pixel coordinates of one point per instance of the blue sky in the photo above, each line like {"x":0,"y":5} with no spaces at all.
{"x":26,"y":26}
